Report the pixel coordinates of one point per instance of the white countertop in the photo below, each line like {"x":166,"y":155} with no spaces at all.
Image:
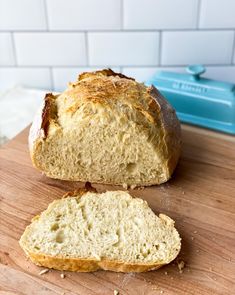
{"x":17,"y":109}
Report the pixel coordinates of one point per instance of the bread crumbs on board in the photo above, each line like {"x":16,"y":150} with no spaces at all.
{"x":154,"y":288}
{"x":44,"y":271}
{"x":125,"y":186}
{"x":140,"y":188}
{"x":133,"y":186}
{"x":181,"y":265}
{"x":62,"y":275}
{"x":115,"y":292}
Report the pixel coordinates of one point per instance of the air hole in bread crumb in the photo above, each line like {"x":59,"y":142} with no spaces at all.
{"x":145,"y":252}
{"x":131,"y":167}
{"x":83,"y":211}
{"x":89,"y":226}
{"x":36,"y":247}
{"x":58,"y":217}
{"x":86,"y":232}
{"x":122,"y":165}
{"x":59,"y":237}
{"x":54,"y":227}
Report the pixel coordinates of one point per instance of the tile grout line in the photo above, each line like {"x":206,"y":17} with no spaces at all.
{"x":87,"y":49}
{"x":160,"y":49}
{"x":46,"y":16}
{"x":121,"y":31}
{"x":122,"y":15}
{"x":108,"y":65}
{"x":52,"y":78}
{"x":233,"y":50}
{"x":198,"y":14}
{"x":14,"y":50}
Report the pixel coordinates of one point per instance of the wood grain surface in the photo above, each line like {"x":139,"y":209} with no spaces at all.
{"x":200,"y":197}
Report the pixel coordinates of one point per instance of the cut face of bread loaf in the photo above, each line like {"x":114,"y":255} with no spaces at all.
{"x":110,"y":231}
{"x":106,"y":128}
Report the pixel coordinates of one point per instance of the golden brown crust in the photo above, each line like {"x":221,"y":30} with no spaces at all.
{"x":104,"y":72}
{"x":117,"y":94}
{"x":42,"y":120}
{"x":81,"y":191}
{"x":46,"y":112}
{"x":171,"y":130}
{"x":89,"y":265}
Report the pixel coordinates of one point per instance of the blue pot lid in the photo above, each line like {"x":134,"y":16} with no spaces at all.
{"x":197,"y":100}
{"x":193,"y":84}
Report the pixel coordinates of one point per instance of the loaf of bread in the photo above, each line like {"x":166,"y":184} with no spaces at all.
{"x":106,"y":128}
{"x":87,"y":231}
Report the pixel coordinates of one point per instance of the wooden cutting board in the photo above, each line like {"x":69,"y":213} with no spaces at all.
{"x":200,"y":197}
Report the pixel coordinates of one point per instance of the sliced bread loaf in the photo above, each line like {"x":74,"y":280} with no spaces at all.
{"x":111,"y":231}
{"x":106,"y":128}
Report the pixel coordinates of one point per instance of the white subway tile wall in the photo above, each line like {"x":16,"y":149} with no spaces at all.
{"x":6,"y":50}
{"x":46,"y":43}
{"x":217,"y":14}
{"x":207,"y":47}
{"x":62,"y":76}
{"x":50,"y":49}
{"x":22,"y":15}
{"x":84,"y":14}
{"x":123,"y":48}
{"x":143,"y":74}
{"x":27,"y":77}
{"x":221,"y":73}
{"x":160,"y":14}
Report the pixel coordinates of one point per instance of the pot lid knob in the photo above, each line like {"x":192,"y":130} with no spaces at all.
{"x":196,"y":71}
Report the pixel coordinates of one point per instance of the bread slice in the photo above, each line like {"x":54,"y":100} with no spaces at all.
{"x":106,"y":128}
{"x":111,"y":231}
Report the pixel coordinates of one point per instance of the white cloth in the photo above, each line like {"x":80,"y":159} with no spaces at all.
{"x":17,"y":109}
